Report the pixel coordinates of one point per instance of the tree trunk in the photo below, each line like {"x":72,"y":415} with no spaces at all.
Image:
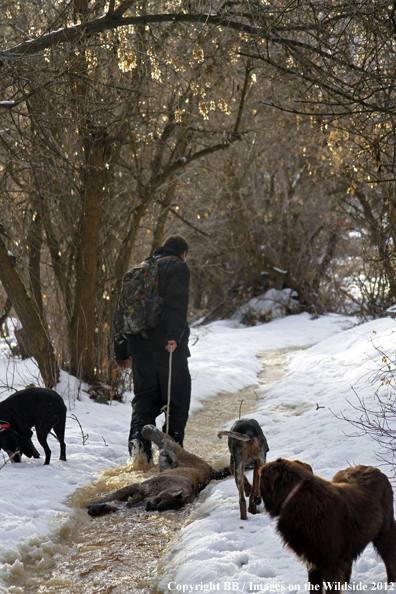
{"x":161,"y":221}
{"x":83,"y":322}
{"x":34,"y":241}
{"x":39,"y":342}
{"x":381,"y":237}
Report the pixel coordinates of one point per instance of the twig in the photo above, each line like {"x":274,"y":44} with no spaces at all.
{"x":84,"y":437}
{"x":10,"y":458}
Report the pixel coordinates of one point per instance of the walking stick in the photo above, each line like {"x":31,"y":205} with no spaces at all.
{"x":169,"y":391}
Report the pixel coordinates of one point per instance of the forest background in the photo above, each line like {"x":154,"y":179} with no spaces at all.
{"x":263,"y":131}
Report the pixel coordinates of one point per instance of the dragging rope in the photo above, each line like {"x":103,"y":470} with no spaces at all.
{"x":167,"y":407}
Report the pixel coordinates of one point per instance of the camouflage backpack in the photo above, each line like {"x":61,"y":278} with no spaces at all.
{"x":139,"y":306}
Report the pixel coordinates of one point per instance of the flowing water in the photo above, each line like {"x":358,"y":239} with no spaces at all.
{"x":119,"y":553}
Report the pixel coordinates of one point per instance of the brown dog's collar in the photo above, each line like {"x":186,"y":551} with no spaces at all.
{"x":291,"y":494}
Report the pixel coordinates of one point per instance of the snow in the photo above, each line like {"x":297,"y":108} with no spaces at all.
{"x":273,"y":304}
{"x":300,"y":416}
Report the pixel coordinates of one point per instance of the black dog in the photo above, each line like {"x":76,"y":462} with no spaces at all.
{"x":33,"y":407}
{"x":246,"y":443}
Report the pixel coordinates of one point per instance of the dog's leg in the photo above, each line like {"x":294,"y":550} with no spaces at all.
{"x":240,"y":483}
{"x":169,"y":449}
{"x":131,"y":493}
{"x":247,"y":486}
{"x":27,"y":446}
{"x":59,"y":430}
{"x":154,"y":434}
{"x":385,"y":545}
{"x":43,"y":427}
{"x":315,"y":578}
{"x":35,"y":454}
{"x":257,"y":496}
{"x":254,"y":497}
{"x":347,"y":573}
{"x":173,"y":455}
{"x":161,"y":440}
{"x":63,"y":452}
{"x":336,"y":575}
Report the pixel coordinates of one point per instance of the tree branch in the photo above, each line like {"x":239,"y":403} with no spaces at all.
{"x":113,"y":21}
{"x":174,"y":212}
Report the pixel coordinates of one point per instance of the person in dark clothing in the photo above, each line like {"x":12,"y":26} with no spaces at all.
{"x":151,"y":354}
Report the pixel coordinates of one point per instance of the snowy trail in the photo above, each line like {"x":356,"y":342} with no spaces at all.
{"x":296,"y":414}
{"x":121,"y":552}
{"x":300,"y":416}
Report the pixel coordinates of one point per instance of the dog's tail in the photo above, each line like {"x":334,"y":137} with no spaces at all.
{"x":235,"y":435}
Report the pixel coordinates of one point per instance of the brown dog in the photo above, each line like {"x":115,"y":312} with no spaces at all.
{"x":329,"y":524}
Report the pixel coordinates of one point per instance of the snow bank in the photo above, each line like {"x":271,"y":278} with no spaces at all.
{"x":295,"y":413}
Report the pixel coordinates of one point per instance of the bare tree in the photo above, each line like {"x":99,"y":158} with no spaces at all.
{"x":270,"y":210}
{"x":109,"y":112}
{"x":109,"y":121}
{"x":39,"y":344}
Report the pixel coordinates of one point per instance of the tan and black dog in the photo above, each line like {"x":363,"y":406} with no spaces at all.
{"x":328,"y":524}
{"x":247,"y":443}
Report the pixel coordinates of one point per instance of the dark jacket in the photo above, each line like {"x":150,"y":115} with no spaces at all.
{"x":173,"y":287}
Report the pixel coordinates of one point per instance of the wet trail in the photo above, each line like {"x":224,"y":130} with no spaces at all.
{"x":119,"y":553}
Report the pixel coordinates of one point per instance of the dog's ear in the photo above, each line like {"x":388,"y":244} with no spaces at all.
{"x":269,"y":477}
{"x":305,"y":466}
{"x":9,"y":440}
{"x":177,"y":493}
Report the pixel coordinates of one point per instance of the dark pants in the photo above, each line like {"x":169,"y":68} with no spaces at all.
{"x":150,"y":382}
